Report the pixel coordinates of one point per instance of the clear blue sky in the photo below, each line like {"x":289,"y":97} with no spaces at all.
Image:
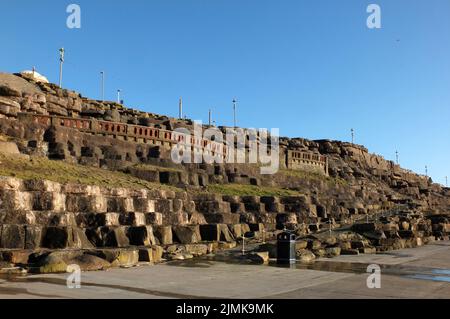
{"x":311,"y":68}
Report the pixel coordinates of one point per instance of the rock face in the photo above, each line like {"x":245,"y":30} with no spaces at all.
{"x":122,"y":226}
{"x":9,"y":148}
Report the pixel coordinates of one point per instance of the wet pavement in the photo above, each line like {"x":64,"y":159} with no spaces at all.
{"x":422,"y":272}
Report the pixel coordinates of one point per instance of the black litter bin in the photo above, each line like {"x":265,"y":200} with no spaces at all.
{"x":286,"y":248}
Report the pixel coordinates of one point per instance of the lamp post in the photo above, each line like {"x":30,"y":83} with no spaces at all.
{"x":102,"y":73}
{"x":234,"y":112}
{"x":180,"y":108}
{"x":118,"y":95}
{"x":61,"y":62}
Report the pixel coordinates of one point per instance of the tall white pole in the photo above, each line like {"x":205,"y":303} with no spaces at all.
{"x":118,"y":96}
{"x":353,"y":135}
{"x":103,"y":85}
{"x":180,"y":108}
{"x":234,"y":112}
{"x":61,"y":61}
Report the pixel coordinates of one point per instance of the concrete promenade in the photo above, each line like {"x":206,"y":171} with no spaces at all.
{"x":409,"y":273}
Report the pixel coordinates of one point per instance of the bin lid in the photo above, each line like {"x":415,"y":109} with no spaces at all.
{"x":286,"y":236}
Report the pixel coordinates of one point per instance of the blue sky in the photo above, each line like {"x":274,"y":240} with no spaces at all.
{"x":311,"y":68}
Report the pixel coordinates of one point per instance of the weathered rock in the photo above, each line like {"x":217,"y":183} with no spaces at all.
{"x":368,"y":250}
{"x":9,"y":107}
{"x":305,"y":256}
{"x":362,"y":228}
{"x":118,"y":257}
{"x":314,"y":244}
{"x":50,"y":264}
{"x":12,"y":236}
{"x":164,"y":235}
{"x":8,"y":148}
{"x":301,"y":244}
{"x":179,"y":256}
{"x":65,"y":237}
{"x":270,"y":248}
{"x":187,"y":234}
{"x":114,"y":237}
{"x":320,"y":252}
{"x":88,"y":262}
{"x":215,"y":232}
{"x":16,"y":256}
{"x":349,"y":252}
{"x":141,"y":236}
{"x":332,"y":251}
{"x":196,"y":249}
{"x":261,"y":257}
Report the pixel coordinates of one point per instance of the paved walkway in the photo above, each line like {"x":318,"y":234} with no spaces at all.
{"x":420,"y":273}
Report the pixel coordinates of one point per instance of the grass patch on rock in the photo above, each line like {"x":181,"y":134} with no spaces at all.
{"x":249,"y":190}
{"x":150,"y":167}
{"x":307,"y":175}
{"x":62,"y":172}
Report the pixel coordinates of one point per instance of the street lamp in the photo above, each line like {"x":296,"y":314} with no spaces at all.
{"x":234,"y":112}
{"x":61,"y":61}
{"x":102,"y":73}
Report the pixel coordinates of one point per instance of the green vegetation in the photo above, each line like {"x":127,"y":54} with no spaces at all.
{"x":4,"y":138}
{"x":247,"y":190}
{"x":63,"y":172}
{"x":149,"y":167}
{"x":307,"y":175}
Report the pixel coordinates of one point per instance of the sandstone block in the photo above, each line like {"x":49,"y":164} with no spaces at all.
{"x":132,"y":219}
{"x":176,"y":219}
{"x":118,"y":257}
{"x":145,"y":254}
{"x":89,"y":204}
{"x":49,"y":201}
{"x":65,"y":237}
{"x":141,"y":236}
{"x":9,"y":148}
{"x":224,"y":218}
{"x":16,"y":256}
{"x":114,"y":237}
{"x":164,"y":235}
{"x":9,"y":107}
{"x":187,"y":234}
{"x":216,"y":232}
{"x":33,"y":237}
{"x":10,"y":183}
{"x":164,"y":206}
{"x":196,"y":249}
{"x":157,"y":253}
{"x":15,"y":200}
{"x":12,"y":236}
{"x":154,"y":219}
{"x":144,"y":205}
{"x":255,"y":207}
